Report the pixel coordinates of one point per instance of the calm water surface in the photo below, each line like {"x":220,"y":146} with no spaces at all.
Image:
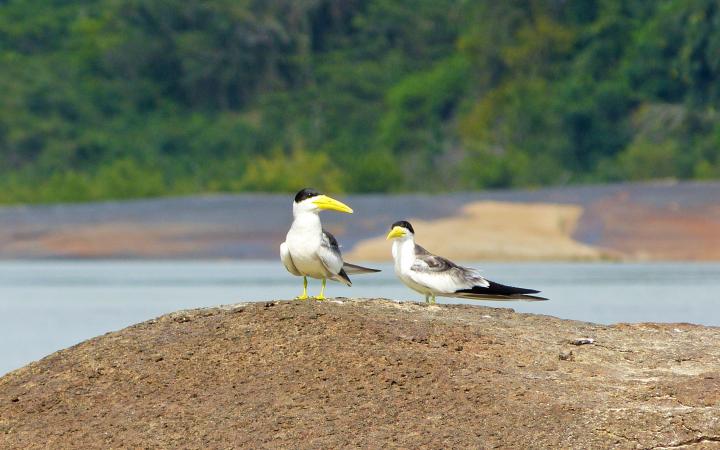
{"x":46,"y":306}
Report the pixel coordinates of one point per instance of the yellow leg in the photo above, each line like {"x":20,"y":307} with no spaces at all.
{"x":432,"y":299}
{"x":304,"y":295}
{"x":322,"y":291}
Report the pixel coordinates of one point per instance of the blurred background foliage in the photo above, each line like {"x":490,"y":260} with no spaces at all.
{"x":133,"y":98}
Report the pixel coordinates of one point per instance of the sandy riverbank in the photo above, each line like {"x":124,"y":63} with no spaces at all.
{"x":642,"y":221}
{"x":498,"y":231}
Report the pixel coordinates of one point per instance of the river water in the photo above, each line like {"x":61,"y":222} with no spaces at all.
{"x":49,"y":305}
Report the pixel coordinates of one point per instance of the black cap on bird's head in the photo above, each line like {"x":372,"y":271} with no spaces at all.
{"x":403,"y":224}
{"x":310,"y":200}
{"x":305,"y":194}
{"x":401,"y":228}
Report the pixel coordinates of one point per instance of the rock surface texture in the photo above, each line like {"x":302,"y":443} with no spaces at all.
{"x":370,"y":373}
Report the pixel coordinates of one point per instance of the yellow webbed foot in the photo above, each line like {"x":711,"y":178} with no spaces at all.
{"x":304,"y":295}
{"x":321,"y":297}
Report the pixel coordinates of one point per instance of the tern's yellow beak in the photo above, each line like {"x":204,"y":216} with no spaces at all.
{"x":396,"y":232}
{"x":325,"y":202}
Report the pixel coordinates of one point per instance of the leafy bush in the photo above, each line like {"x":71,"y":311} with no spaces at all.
{"x":131,"y":98}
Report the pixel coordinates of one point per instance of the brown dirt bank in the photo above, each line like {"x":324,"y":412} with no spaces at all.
{"x":646,"y":221}
{"x":370,"y":373}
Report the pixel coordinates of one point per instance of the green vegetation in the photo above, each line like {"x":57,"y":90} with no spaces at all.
{"x":131,"y":98}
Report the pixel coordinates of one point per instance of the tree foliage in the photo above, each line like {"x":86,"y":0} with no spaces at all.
{"x":131,"y":98}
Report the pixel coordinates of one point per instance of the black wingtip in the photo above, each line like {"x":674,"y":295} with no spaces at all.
{"x":345,"y":277}
{"x":499,"y":297}
{"x":355,"y":269}
{"x":534,"y":297}
{"x":498,"y":289}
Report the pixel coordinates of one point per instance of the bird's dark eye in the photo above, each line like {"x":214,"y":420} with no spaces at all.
{"x":306,"y":194}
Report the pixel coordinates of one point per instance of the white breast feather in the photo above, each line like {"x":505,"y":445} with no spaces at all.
{"x":287,"y":260}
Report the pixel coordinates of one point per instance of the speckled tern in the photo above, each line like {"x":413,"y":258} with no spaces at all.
{"x":311,"y":251}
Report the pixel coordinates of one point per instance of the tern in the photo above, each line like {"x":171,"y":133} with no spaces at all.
{"x":433,"y":275}
{"x":311,"y":251}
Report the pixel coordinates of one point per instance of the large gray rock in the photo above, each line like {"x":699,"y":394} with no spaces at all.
{"x":369,"y":373}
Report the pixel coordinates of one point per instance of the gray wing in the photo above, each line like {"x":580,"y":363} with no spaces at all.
{"x":287,"y":260}
{"x":427,"y":262}
{"x":443,"y":275}
{"x":330,"y":256}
